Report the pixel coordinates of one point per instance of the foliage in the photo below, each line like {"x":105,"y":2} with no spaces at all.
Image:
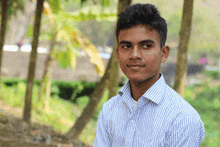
{"x":206,"y":101}
{"x":94,"y":13}
{"x":55,"y":6}
{"x":14,"y":6}
{"x":213,"y":74}
{"x":71,"y":38}
{"x":63,"y":89}
{"x":12,"y":81}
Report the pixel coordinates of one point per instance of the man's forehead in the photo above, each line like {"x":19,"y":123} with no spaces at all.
{"x":138,"y":33}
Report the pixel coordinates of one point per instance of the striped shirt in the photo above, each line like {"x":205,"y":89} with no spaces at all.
{"x":162,"y":118}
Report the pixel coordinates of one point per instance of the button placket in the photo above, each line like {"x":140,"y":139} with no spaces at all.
{"x":131,"y":127}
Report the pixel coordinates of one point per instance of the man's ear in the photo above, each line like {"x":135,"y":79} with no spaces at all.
{"x":165,"y":53}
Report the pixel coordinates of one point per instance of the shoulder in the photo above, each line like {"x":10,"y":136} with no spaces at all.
{"x":184,"y":115}
{"x":179,"y":103}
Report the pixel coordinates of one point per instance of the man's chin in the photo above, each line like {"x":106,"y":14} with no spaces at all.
{"x":138,"y":79}
{"x":141,"y":79}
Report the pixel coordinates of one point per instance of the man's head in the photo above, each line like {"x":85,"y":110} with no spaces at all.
{"x":141,"y":35}
{"x":144,"y":14}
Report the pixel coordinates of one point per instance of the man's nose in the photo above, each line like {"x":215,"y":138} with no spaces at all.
{"x":135,"y":54}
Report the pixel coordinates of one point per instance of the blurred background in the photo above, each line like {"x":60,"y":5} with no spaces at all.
{"x":75,"y":44}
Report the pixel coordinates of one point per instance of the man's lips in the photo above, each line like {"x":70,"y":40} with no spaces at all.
{"x":135,"y":65}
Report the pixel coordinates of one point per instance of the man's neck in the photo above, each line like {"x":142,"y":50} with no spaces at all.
{"x":139,"y":88}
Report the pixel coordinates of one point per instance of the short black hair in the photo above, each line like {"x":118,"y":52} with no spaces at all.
{"x":143,"y":14}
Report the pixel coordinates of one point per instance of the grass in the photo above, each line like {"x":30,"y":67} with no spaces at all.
{"x":63,"y":114}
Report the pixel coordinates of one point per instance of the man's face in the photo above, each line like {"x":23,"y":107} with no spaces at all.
{"x":139,"y":53}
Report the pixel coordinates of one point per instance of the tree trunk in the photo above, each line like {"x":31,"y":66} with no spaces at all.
{"x":114,"y":73}
{"x":47,"y":69}
{"x":32,"y":64}
{"x":114,"y":76}
{"x":181,"y":65}
{"x":48,"y":88}
{"x":91,"y":108}
{"x":3,"y":30}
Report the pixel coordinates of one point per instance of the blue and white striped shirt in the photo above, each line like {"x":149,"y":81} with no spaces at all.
{"x":162,"y":119}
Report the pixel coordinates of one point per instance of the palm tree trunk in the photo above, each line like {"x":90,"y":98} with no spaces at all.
{"x":181,"y":65}
{"x":32,"y":64}
{"x":3,"y":30}
{"x":114,"y":76}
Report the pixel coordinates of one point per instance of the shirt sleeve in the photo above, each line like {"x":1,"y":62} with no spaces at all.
{"x":102,"y":137}
{"x":188,"y":131}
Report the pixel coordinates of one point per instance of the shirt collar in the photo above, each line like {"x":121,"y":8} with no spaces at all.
{"x":154,"y":93}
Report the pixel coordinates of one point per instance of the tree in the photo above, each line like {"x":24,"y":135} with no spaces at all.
{"x":32,"y":63}
{"x":3,"y":30}
{"x":65,"y":32}
{"x":91,"y":108}
{"x":45,"y":83}
{"x":114,"y":76}
{"x":7,"y":10}
{"x":181,"y":65}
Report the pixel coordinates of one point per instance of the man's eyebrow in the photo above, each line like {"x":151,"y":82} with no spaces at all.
{"x":146,"y":41}
{"x":124,"y":42}
{"x":142,"y":42}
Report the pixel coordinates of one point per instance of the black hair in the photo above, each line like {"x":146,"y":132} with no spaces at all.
{"x":143,"y":14}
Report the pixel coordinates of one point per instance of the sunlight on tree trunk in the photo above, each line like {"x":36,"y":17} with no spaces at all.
{"x":181,"y":65}
{"x":3,"y":30}
{"x":32,"y":64}
{"x":114,"y":76}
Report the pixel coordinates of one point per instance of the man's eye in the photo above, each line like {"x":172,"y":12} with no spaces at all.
{"x":146,"y":45}
{"x":126,"y":46}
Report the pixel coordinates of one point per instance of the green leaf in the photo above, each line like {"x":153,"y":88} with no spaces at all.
{"x":29,"y":31}
{"x":65,"y":60}
{"x":105,"y":3}
{"x":76,"y":43}
{"x":55,"y":6}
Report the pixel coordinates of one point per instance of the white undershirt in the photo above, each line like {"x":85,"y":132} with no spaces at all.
{"x":135,"y":103}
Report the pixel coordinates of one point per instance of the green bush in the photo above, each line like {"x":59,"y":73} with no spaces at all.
{"x":64,"y":89}
{"x":206,"y":101}
{"x":212,"y":74}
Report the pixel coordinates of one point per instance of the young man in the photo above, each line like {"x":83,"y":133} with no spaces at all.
{"x":146,"y":112}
